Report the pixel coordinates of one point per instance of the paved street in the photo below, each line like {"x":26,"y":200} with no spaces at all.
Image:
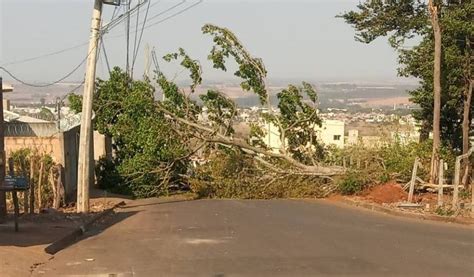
{"x":265,"y":238}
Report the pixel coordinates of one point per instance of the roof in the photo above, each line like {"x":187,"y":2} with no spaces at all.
{"x":29,"y":119}
{"x":7,"y":88}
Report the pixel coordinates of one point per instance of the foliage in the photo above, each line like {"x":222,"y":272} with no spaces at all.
{"x":352,"y":183}
{"x":407,"y":19}
{"x":108,"y":177}
{"x":75,"y":102}
{"x":391,"y":161}
{"x":154,"y":140}
{"x":251,"y":70}
{"x":22,"y":159}
{"x":187,"y":62}
{"x":148,"y":152}
{"x":444,"y":211}
{"x":300,"y":118}
{"x":46,"y":114}
{"x":236,"y":175}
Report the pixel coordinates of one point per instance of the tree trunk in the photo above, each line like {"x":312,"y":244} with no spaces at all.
{"x":466,"y":124}
{"x":436,"y":92}
{"x":467,"y":116}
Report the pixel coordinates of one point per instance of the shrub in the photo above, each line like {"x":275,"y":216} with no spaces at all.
{"x":236,"y":175}
{"x":108,"y":178}
{"x":352,"y":183}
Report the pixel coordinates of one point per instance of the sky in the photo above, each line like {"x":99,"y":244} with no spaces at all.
{"x":300,"y":40}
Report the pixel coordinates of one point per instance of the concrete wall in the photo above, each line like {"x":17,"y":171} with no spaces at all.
{"x":62,"y":147}
{"x":69,"y":153}
{"x":102,"y":146}
{"x":47,"y":145}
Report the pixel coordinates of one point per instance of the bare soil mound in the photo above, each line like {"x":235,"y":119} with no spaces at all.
{"x":386,"y":193}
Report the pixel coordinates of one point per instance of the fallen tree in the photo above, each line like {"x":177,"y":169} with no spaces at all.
{"x":296,"y":119}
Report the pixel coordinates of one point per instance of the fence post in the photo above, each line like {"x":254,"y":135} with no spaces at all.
{"x":472,"y":200}
{"x":413,"y":180}
{"x":457,"y":171}
{"x":440,"y":187}
{"x":32,"y":184}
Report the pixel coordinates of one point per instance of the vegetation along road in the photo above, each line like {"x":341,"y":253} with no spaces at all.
{"x":264,"y":238}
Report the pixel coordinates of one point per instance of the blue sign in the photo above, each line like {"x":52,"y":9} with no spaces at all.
{"x":16,"y":182}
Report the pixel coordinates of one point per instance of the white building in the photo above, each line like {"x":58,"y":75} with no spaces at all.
{"x":331,"y":132}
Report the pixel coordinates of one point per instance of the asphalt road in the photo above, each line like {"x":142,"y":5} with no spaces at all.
{"x":265,"y":238}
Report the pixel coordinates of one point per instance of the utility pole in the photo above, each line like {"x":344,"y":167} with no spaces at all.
{"x":58,"y":111}
{"x":3,"y":198}
{"x":86,"y":162}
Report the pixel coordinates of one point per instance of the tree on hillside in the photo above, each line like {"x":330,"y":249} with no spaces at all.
{"x":436,"y":60}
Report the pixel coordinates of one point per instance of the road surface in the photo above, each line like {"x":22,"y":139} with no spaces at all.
{"x":265,"y":238}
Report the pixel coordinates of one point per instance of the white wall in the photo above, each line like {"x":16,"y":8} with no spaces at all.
{"x":330,"y":133}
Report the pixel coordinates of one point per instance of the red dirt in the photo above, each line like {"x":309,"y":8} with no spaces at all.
{"x":386,"y":193}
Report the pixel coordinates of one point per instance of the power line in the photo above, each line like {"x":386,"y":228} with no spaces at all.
{"x":48,"y":84}
{"x":167,"y":10}
{"x":135,"y":54}
{"x":135,"y":41}
{"x":175,"y":14}
{"x":105,"y":29}
{"x":45,"y":55}
{"x":44,"y":85}
{"x":128,"y":36}
{"x":105,"y":55}
{"x":153,"y":17}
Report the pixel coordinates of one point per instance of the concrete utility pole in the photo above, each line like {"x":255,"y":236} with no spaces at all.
{"x":3,"y":198}
{"x":86,"y":164}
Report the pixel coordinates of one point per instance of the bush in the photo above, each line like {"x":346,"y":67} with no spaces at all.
{"x":235,"y":175}
{"x":108,"y":178}
{"x":352,"y":183}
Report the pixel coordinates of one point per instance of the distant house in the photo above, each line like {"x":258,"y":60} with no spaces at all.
{"x":331,"y":132}
{"x":378,"y":134}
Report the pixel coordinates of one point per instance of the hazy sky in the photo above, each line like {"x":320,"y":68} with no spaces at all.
{"x":296,"y":39}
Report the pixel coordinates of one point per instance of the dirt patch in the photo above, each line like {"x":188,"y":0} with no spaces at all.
{"x":386,"y":193}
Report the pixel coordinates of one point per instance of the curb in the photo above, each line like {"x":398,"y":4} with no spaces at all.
{"x":73,"y":236}
{"x":378,"y":208}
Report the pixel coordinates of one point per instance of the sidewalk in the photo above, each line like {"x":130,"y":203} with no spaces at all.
{"x":22,"y":251}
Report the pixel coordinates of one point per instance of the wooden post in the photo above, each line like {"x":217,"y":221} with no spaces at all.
{"x":26,"y":201}
{"x":457,"y":175}
{"x":440,"y":188}
{"x":16,"y":208}
{"x":3,"y":197}
{"x":472,"y":200}
{"x":413,"y":180}
{"x":457,"y":172}
{"x":32,"y":184}
{"x":40,"y":184}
